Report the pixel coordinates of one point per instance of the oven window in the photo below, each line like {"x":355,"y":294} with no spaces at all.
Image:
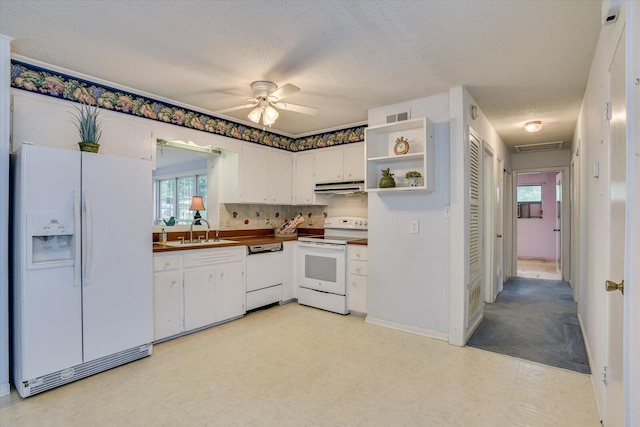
{"x":320,"y":268}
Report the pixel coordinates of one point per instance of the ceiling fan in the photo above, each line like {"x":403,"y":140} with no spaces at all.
{"x":267,"y":100}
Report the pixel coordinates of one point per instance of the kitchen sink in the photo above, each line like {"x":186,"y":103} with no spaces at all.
{"x":178,"y":244}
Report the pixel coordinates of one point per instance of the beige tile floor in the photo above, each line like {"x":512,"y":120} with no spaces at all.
{"x":298,"y":366}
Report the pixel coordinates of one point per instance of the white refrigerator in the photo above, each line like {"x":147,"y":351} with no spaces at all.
{"x":82,"y":265}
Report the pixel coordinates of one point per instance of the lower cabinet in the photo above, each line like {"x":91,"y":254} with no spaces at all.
{"x":197,"y":288}
{"x":357,"y":276}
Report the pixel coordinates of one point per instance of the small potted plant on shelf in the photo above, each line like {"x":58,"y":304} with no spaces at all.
{"x":88,"y":124}
{"x":387,"y":180}
{"x":413,"y":177}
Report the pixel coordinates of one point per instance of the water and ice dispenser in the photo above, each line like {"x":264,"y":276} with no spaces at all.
{"x":50,"y":240}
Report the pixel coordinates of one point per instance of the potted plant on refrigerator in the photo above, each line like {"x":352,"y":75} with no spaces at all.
{"x":88,"y":124}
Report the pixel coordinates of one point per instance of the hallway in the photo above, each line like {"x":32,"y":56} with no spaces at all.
{"x":535,"y":320}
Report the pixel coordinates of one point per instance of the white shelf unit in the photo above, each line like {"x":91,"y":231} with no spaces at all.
{"x":379,"y":143}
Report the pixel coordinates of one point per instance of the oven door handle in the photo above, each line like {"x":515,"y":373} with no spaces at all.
{"x":328,"y":246}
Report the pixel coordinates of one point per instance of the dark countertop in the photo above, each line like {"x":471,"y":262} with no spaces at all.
{"x":242,"y":241}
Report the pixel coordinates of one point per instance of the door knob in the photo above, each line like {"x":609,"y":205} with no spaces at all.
{"x":556,"y":229}
{"x":499,"y":236}
{"x":611,"y":286}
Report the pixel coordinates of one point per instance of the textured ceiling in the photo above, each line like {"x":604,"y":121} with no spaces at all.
{"x":520,"y":60}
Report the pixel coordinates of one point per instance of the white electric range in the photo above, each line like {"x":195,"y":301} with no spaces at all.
{"x":322,"y":273}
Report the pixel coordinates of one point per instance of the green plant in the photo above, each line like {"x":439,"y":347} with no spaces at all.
{"x":413,"y":174}
{"x":87,"y":122}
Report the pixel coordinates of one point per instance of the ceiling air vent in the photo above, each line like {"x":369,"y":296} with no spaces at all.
{"x":544,"y":146}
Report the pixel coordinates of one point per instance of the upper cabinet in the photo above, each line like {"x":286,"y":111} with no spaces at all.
{"x":414,"y":153}
{"x":257,"y":175}
{"x":303,"y":181}
{"x":281,"y":171}
{"x":343,"y":163}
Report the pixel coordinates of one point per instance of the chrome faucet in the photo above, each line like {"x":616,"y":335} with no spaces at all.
{"x":217,"y":239}
{"x":191,"y":230}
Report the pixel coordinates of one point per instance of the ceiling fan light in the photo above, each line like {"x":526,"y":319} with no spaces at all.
{"x":270,"y":115}
{"x":255,"y":114}
{"x":533,"y":126}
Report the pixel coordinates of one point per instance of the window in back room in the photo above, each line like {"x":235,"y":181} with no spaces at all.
{"x":529,"y":198}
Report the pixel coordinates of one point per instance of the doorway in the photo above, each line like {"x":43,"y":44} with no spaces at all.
{"x":540,"y":224}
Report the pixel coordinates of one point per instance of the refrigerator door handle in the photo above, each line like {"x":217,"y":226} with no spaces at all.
{"x":89,"y":235}
{"x":77,"y":246}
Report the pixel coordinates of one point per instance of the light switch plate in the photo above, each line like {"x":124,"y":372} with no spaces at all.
{"x":414,"y":227}
{"x":447,"y":211}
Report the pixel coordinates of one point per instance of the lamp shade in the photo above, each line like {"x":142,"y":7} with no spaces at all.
{"x":270,"y":115}
{"x":197,"y":204}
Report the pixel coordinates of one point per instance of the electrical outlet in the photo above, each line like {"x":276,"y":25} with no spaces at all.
{"x":414,"y":227}
{"x":447,"y":211}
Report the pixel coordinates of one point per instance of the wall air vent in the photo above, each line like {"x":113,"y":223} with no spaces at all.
{"x":544,"y":146}
{"x":392,"y":118}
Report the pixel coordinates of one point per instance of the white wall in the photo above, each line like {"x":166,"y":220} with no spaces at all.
{"x":541,"y":159}
{"x":408,"y":284}
{"x":5,"y":51}
{"x":590,"y":213}
{"x":461,"y":123}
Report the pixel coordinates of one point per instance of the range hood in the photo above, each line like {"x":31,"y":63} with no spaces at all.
{"x":343,"y":187}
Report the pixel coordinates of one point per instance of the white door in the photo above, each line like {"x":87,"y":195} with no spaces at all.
{"x":613,"y":413}
{"x":557,"y":229}
{"x":168,"y":306}
{"x":488,"y":229}
{"x":499,"y":232}
{"x":118,"y":284}
{"x":254,"y":174}
{"x":280,"y":170}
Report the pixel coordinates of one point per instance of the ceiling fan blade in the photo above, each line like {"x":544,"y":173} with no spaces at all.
{"x":239,"y":107}
{"x":283,"y":91}
{"x":297,"y":108}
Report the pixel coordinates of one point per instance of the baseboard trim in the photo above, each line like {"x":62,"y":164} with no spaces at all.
{"x":594,"y":378}
{"x":407,"y":328}
{"x":4,"y":389}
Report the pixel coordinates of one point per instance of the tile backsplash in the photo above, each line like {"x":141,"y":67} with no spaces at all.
{"x":238,"y":216}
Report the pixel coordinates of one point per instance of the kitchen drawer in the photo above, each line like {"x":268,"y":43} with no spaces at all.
{"x":167,"y":262}
{"x":358,"y":252}
{"x":358,"y":267}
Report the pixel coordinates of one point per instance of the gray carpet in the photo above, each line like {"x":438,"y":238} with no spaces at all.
{"x":536,"y":320}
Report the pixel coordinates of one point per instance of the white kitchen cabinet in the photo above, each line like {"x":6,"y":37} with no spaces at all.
{"x":343,"y":163}
{"x":357,"y":276}
{"x":168,"y":312}
{"x":199,"y":297}
{"x":379,"y":150}
{"x":257,"y":175}
{"x":280,"y":177}
{"x":230,"y":291}
{"x":304,"y":181}
{"x":254,"y":175}
{"x":354,"y":162}
{"x":329,"y":164}
{"x":197,"y":288}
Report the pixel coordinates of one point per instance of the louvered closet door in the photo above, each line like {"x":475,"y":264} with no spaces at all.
{"x":473,"y":292}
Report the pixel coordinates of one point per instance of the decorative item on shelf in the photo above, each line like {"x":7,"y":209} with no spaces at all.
{"x":402,"y":146}
{"x":413,"y":177}
{"x":289,"y":228}
{"x":387,"y":180}
{"x":169,"y":222}
{"x":197,"y":204}
{"x":88,"y":124}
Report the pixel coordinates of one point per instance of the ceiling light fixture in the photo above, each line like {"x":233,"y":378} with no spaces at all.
{"x":533,"y":126}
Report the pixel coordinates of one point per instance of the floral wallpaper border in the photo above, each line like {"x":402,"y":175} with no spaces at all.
{"x":46,"y":82}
